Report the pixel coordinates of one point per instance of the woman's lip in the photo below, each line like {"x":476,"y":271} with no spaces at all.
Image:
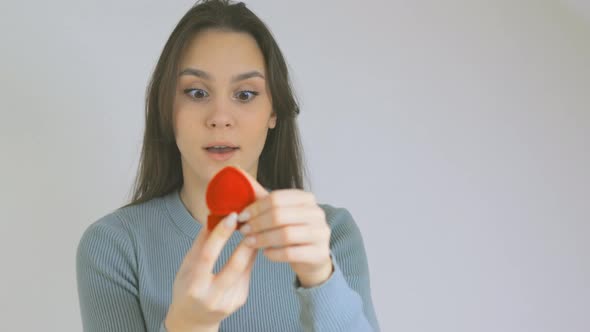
{"x":221,"y":143}
{"x":220,"y":156}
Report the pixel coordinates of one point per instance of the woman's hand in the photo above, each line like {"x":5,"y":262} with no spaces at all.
{"x":200,"y":299}
{"x":290,"y":227}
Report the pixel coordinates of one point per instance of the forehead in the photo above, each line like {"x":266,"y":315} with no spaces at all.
{"x":220,"y":52}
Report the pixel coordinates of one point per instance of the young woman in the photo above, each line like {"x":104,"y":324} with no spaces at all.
{"x":220,"y":95}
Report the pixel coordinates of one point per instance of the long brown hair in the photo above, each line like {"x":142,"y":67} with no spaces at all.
{"x":281,"y":162}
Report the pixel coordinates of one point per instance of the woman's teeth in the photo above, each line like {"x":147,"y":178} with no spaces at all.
{"x":220,"y":149}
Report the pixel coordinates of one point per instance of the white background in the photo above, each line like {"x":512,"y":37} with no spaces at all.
{"x":456,"y":132}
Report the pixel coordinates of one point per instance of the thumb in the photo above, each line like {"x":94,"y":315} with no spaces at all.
{"x":259,"y":190}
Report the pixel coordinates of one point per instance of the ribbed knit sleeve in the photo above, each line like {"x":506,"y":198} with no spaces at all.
{"x":106,"y":271}
{"x":343,"y":302}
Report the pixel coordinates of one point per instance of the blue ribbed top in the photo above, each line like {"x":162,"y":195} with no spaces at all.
{"x":127,"y":260}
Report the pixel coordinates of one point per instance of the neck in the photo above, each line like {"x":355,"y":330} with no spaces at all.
{"x":193,"y":198}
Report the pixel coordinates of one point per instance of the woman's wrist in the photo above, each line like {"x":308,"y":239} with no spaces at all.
{"x":174,"y":326}
{"x":318,"y":278}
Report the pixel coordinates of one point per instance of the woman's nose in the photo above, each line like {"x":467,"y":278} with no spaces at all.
{"x":220,"y":117}
{"x":219,"y":123}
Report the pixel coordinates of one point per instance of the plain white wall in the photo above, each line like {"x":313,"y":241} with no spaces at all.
{"x":456,"y":132}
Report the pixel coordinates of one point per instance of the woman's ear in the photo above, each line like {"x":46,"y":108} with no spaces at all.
{"x":272,"y":122}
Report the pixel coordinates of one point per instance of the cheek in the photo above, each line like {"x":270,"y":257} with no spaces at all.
{"x":179,"y":122}
{"x":175,"y":123}
{"x":253,"y":130}
{"x":262,"y":132}
{"x":185,"y":129}
{"x":258,"y":125}
{"x":177,"y":116}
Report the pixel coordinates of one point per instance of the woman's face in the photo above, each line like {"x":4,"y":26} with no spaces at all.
{"x":221,"y":99}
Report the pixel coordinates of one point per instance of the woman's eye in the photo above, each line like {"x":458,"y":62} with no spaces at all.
{"x":246,"y":95}
{"x":196,"y":93}
{"x":242,"y":96}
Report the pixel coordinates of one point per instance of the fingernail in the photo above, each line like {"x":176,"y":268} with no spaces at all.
{"x":231,"y":220}
{"x":245,"y":215}
{"x":245,"y":229}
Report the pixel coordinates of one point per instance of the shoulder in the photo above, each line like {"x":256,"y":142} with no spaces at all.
{"x":342,"y":224}
{"x":118,"y":228}
{"x":336,"y":216}
{"x":108,"y":228}
{"x":105,"y":246}
{"x":104,"y":241}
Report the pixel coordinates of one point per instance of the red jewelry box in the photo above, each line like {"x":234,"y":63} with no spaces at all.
{"x":228,"y":191}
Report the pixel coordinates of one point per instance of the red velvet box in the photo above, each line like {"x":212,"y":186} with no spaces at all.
{"x":228,"y":191}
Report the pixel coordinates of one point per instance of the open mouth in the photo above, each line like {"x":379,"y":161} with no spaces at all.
{"x":221,"y":152}
{"x":221,"y":149}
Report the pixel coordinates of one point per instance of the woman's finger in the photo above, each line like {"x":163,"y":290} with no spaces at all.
{"x":236,"y":294}
{"x":192,"y":254}
{"x":308,"y":254}
{"x":289,"y":236}
{"x":283,"y":216}
{"x":211,"y":248}
{"x":235,"y":267}
{"x":277,"y":198}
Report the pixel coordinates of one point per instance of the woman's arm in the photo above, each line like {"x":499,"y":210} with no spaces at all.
{"x":107,"y":279}
{"x":343,"y":302}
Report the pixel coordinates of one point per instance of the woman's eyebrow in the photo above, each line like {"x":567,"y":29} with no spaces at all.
{"x":207,"y":76}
